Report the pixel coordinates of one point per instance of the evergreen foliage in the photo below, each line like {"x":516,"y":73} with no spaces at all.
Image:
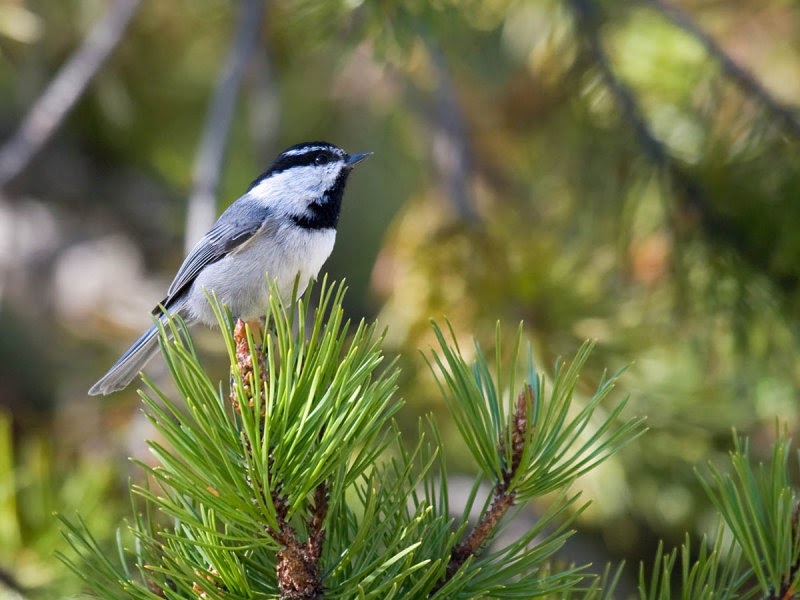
{"x":292,"y":480}
{"x":755,"y":552}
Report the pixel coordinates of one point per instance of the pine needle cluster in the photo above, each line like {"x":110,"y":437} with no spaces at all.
{"x":291,"y":479}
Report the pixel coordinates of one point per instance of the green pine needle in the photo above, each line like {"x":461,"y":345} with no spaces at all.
{"x":241,"y":465}
{"x":760,"y":507}
{"x":563,"y":441}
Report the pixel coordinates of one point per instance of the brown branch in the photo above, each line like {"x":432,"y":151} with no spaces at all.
{"x":741,"y":76}
{"x":588,"y":23}
{"x":201,"y":210}
{"x":60,"y":96}
{"x":244,"y":360}
{"x":316,"y":536}
{"x":298,"y":562}
{"x":520,"y":432}
{"x":473,"y":545}
{"x":504,"y":495}
{"x":298,"y":578}
{"x":297,"y":566}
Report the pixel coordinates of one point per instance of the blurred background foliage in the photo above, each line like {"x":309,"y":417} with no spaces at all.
{"x":627,"y":171}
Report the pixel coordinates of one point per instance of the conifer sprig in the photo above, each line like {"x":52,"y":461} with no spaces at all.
{"x":554,"y":447}
{"x":711,"y":572}
{"x":292,"y":482}
{"x":761,"y":508}
{"x":525,"y":442}
{"x":756,"y":548}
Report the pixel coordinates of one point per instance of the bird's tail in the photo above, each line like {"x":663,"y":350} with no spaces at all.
{"x":129,"y":364}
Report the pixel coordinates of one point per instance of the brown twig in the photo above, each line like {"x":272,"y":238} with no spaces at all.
{"x":472,"y":546}
{"x":298,"y":576}
{"x":298,"y":563}
{"x":69,"y":84}
{"x":520,"y":433}
{"x":504,"y":495}
{"x":297,"y":566}
{"x":201,"y":209}
{"x":741,"y":76}
{"x":316,"y":536}
{"x":244,"y":360}
{"x":588,"y":23}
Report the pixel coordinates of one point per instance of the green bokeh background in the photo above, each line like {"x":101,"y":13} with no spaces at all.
{"x":679,"y":253}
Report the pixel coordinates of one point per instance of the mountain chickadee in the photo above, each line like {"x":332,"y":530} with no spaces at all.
{"x":282,"y":227}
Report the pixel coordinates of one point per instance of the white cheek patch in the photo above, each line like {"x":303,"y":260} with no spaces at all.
{"x":291,"y":191}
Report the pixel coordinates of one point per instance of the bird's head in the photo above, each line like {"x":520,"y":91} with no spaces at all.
{"x":306,"y":183}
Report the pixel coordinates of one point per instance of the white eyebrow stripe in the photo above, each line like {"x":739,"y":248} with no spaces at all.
{"x":307,"y":150}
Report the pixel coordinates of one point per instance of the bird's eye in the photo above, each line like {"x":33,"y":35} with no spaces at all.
{"x":322,"y":159}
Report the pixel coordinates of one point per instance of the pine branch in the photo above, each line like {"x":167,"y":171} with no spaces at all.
{"x":504,"y":494}
{"x":66,"y":88}
{"x":741,"y":76}
{"x":316,"y":526}
{"x":244,"y":360}
{"x":588,"y":22}
{"x":281,"y":486}
{"x":527,"y":445}
{"x":787,"y":589}
{"x":759,"y":505}
{"x":710,"y":572}
{"x":694,"y":207}
{"x":756,"y":548}
{"x":297,"y":567}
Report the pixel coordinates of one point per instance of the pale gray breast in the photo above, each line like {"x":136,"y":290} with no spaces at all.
{"x":240,"y":279}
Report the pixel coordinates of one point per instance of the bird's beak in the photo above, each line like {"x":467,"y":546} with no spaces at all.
{"x":354,"y":159}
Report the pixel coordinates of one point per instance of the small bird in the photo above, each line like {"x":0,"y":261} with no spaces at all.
{"x":284,"y":226}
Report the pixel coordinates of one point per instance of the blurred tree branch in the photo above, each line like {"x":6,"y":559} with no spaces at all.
{"x":9,"y":583}
{"x":201,"y":210}
{"x":450,"y":147}
{"x":69,"y":84}
{"x":694,"y":208}
{"x":743,"y":78}
{"x":588,"y":23}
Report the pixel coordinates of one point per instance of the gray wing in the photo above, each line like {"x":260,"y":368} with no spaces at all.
{"x":239,"y":223}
